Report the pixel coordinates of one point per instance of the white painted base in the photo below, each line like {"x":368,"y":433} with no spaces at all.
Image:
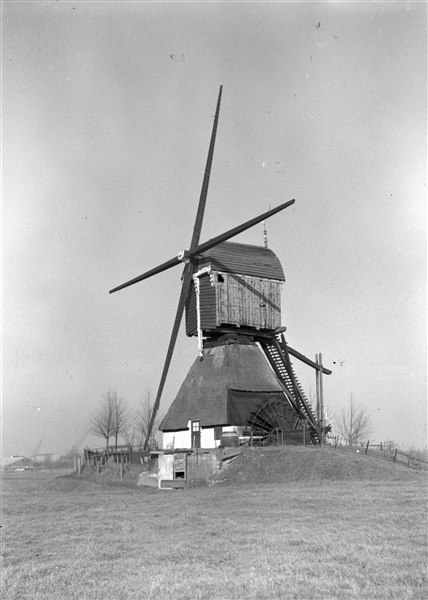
{"x":183,"y":439}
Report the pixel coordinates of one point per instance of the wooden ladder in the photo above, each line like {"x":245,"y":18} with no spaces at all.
{"x":279,"y":358}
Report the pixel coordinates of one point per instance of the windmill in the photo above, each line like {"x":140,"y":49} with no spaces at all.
{"x":206,"y":266}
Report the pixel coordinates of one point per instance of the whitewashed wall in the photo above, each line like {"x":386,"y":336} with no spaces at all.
{"x":182,"y":439}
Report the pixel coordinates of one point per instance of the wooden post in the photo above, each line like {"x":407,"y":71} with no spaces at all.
{"x":381,"y":446}
{"x":367,"y":446}
{"x":121,"y":470}
{"x":395,"y":455}
{"x":322,"y":424}
{"x":74,"y":464}
{"x":79,"y":465}
{"x":317,"y":383}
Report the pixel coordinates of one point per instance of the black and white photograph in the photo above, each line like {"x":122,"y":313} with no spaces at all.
{"x":214,"y":266}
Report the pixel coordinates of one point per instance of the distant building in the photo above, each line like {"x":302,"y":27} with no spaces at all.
{"x":46,"y":457}
{"x":15,"y":463}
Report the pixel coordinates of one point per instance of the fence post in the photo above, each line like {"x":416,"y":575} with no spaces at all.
{"x":322,"y":424}
{"x":381,"y":447}
{"x":408,"y":462}
{"x":317,"y":379}
{"x":395,"y":455}
{"x":367,"y":446}
{"x":335,"y":441}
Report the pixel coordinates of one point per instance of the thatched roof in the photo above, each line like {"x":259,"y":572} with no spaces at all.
{"x":204,"y":393}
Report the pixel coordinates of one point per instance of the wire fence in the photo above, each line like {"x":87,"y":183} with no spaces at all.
{"x":382,"y":451}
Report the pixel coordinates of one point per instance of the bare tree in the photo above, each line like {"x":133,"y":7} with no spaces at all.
{"x":110,"y":418}
{"x":74,"y":452}
{"x":418,"y":453}
{"x":354,"y":423}
{"x":121,"y":417}
{"x":143,"y":416}
{"x":130,"y":435}
{"x":389,"y":445}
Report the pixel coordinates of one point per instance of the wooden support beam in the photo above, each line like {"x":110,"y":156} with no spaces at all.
{"x":322,"y":419}
{"x":317,"y":384}
{"x":308,"y":361}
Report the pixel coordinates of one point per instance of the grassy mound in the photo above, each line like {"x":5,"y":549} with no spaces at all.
{"x":310,"y":464}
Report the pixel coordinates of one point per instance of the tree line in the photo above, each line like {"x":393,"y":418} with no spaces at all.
{"x":113,"y":419}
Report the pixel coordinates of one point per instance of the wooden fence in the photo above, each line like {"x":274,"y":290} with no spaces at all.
{"x":383,"y":452}
{"x":277,"y":437}
{"x":119,"y":454}
{"x":99,"y":456}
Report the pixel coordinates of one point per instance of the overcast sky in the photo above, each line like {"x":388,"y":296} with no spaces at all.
{"x":107,"y":114}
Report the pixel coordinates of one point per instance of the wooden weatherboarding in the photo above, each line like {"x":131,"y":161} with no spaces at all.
{"x":231,"y":293}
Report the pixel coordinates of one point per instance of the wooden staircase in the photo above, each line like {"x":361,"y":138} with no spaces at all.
{"x":278,"y":356}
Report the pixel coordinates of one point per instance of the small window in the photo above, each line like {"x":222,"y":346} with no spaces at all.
{"x":220,"y":278}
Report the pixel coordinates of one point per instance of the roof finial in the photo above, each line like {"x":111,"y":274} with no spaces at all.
{"x":265,"y":238}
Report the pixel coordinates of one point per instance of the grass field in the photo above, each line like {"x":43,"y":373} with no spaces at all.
{"x":64,"y":539}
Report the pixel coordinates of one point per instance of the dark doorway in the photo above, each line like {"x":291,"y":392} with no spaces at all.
{"x":196,"y":434}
